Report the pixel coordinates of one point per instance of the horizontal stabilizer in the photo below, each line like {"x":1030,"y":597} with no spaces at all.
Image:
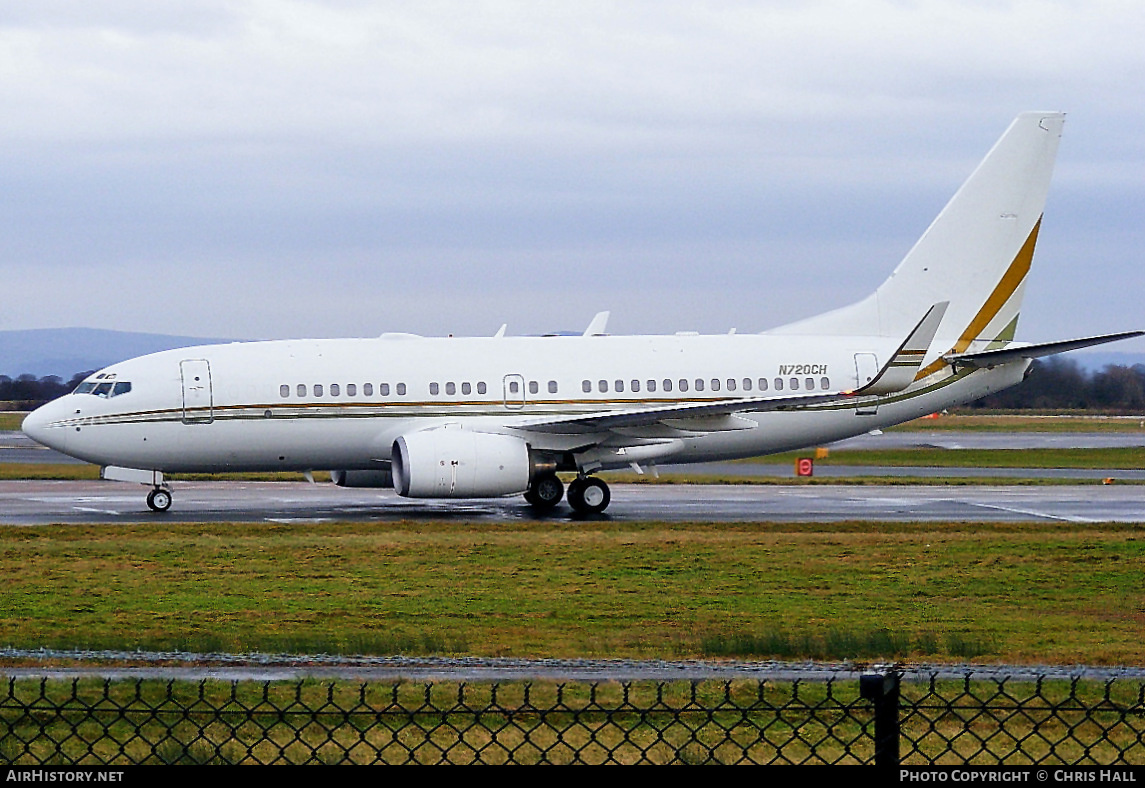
{"x":990,"y":358}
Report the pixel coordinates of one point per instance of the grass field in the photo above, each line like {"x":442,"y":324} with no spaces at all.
{"x":1081,"y":421}
{"x":1032,"y":593}
{"x":1115,"y":458}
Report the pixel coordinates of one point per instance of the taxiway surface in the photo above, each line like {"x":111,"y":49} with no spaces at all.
{"x":43,"y":502}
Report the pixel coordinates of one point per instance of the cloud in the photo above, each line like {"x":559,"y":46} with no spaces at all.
{"x":349,"y":154}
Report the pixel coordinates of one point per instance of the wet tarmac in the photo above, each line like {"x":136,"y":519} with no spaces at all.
{"x":43,"y":502}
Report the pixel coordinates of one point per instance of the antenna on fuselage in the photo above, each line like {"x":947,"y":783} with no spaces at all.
{"x":598,"y":325}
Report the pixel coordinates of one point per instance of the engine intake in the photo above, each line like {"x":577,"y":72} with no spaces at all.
{"x":451,"y":462}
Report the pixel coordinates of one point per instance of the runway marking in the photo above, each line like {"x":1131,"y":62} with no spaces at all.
{"x":1063,"y":517}
{"x":294,"y":520}
{"x":97,"y":511}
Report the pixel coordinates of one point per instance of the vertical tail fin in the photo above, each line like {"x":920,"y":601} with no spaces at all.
{"x":975,"y":255}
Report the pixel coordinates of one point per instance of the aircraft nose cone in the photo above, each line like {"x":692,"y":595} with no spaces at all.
{"x":33,"y":425}
{"x":36,"y":427}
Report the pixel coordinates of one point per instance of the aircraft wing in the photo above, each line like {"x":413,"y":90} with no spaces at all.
{"x":1017,"y":352}
{"x":895,"y":375}
{"x":603,"y":421}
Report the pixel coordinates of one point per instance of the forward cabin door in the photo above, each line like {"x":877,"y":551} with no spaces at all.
{"x":198,"y":398}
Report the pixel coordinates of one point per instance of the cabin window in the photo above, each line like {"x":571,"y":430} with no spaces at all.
{"x":552,"y":387}
{"x":480,"y":387}
{"x":667,"y":384}
{"x":284,"y":391}
{"x":302,"y":389}
{"x":652,"y":386}
{"x":317,"y":389}
{"x":715,"y":384}
{"x":602,"y":386}
{"x":514,"y":387}
{"x":384,"y":389}
{"x":747,"y":384}
{"x":619,"y":385}
{"x":810,"y":382}
{"x":467,"y":388}
{"x":795,"y":384}
{"x":683,"y":385}
{"x":368,"y":389}
{"x":731,"y":384}
{"x":763,"y":384}
{"x":825,"y":383}
{"x":586,"y":386}
{"x":779,"y":384}
{"x":451,"y":388}
{"x":534,"y":387}
{"x":434,"y":389}
{"x":335,"y":390}
{"x":699,"y":384}
{"x":351,"y":389}
{"x":401,"y":389}
{"x":636,"y":385}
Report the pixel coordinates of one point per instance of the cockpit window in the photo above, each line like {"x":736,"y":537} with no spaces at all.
{"x":105,"y":389}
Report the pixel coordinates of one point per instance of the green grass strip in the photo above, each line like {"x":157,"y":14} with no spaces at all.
{"x":1042,"y":593}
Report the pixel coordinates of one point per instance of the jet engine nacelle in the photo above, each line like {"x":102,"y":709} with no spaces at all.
{"x":451,"y":462}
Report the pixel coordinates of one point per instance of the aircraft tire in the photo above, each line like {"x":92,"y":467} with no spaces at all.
{"x":159,"y":500}
{"x":546,"y":492}
{"x":589,"y":495}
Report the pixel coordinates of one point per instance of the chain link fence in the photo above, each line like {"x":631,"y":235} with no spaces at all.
{"x":877,"y":720}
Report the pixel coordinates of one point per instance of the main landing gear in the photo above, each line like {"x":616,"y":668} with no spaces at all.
{"x":586,"y":494}
{"x":546,"y":492}
{"x":159,"y":499}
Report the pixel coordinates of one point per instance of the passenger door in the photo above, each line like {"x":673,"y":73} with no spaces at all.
{"x":514,"y":392}
{"x":198,"y":397}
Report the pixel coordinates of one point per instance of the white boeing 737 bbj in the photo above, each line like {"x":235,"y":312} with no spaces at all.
{"x":497,"y":416}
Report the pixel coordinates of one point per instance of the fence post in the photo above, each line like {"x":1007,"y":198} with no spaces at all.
{"x":882,"y":687}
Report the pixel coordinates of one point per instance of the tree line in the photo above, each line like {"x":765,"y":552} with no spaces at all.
{"x":1061,"y":384}
{"x":31,"y":391}
{"x":1054,"y":384}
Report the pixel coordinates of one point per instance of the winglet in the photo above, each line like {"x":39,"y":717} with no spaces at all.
{"x":899,"y":372}
{"x":501,"y":331}
{"x":597,"y":326}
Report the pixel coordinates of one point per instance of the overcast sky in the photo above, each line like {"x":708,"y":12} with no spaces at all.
{"x":281,"y":169}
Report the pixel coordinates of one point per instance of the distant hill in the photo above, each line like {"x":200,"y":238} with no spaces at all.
{"x":66,"y":351}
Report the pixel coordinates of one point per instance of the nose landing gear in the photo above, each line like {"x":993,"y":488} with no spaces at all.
{"x":159,"y":499}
